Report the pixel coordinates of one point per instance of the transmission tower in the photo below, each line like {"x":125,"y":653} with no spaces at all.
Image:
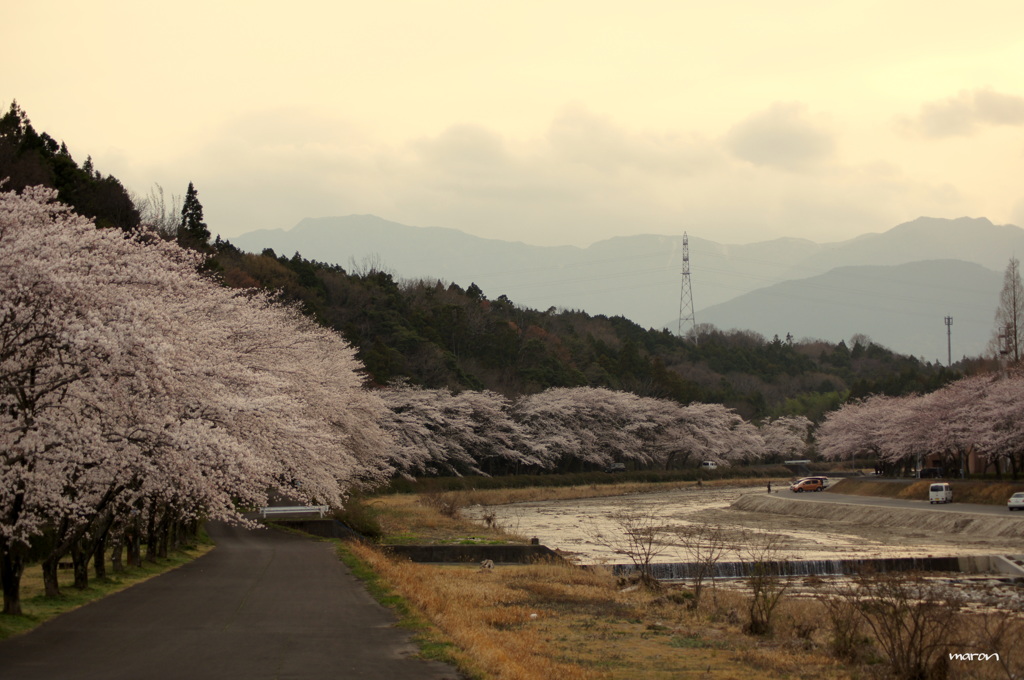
{"x":686,"y":292}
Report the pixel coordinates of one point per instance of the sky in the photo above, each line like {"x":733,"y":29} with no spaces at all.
{"x":549,"y":122}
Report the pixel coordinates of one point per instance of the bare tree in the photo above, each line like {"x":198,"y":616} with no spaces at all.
{"x":703,"y":544}
{"x":1009,"y":330}
{"x":913,"y":622}
{"x":639,"y":535}
{"x":155,"y":212}
{"x":760,"y":556}
{"x":999,"y":635}
{"x":849,"y":640}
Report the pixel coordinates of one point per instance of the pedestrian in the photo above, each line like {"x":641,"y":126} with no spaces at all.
{"x":769,"y":486}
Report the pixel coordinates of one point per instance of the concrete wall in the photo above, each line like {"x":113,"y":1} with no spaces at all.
{"x":499,"y":554}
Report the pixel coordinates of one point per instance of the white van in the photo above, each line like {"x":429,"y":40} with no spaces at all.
{"x":940,"y":493}
{"x":709,"y":465}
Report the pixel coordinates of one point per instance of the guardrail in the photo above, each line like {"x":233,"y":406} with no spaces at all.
{"x":294,"y":510}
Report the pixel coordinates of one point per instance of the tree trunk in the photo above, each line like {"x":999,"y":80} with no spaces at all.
{"x":51,"y":586}
{"x":133,"y":545}
{"x":164,"y":533}
{"x":12,"y":565}
{"x":80,"y":559}
{"x":116,"y":551}
{"x":152,"y":539}
{"x":99,"y":562}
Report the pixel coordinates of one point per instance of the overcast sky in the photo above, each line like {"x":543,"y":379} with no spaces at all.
{"x":549,"y":122}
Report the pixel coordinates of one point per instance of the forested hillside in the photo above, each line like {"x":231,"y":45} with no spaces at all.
{"x":30,"y":158}
{"x":439,"y":335}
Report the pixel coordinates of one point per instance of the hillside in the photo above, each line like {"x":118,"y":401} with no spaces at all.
{"x":639,"y":276}
{"x":31,"y":158}
{"x":443,"y":335}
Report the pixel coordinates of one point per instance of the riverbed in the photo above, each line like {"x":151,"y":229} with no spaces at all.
{"x":591,"y":531}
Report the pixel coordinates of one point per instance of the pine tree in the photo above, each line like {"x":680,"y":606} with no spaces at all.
{"x":192,"y":231}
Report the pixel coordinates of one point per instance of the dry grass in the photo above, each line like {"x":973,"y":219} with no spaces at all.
{"x":567,"y":622}
{"x":522,"y":495}
{"x":558,"y":620}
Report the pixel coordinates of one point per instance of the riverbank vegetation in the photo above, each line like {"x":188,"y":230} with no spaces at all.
{"x":556,"y":619}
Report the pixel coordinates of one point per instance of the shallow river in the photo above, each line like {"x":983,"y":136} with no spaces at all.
{"x":589,"y":530}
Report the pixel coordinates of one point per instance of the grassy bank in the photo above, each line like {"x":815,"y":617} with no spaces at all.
{"x":519,"y":622}
{"x":38,"y":608}
{"x":725,"y":473}
{"x":964,"y":491}
{"x":557,"y":620}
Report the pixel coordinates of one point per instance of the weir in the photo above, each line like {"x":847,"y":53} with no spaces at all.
{"x":681,"y":571}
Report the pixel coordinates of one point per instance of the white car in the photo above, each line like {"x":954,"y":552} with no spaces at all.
{"x":1016,"y":501}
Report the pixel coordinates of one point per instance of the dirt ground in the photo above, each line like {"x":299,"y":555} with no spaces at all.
{"x":576,"y":528}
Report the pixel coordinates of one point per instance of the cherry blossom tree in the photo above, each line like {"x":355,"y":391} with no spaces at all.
{"x":786,"y":436}
{"x":439,"y":432}
{"x":998,"y":422}
{"x":575,"y":428}
{"x":137,"y":395}
{"x":860,"y":428}
{"x":980,"y":414}
{"x":583,"y":427}
{"x":720,"y":434}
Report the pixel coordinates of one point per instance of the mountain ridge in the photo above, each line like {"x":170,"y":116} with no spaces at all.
{"x":635,"y":276}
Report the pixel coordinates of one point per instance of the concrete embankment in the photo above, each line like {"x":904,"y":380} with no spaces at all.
{"x":944,"y":523}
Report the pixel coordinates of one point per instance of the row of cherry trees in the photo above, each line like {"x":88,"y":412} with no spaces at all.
{"x":571,"y":429}
{"x":981,"y":416}
{"x":137,"y":396}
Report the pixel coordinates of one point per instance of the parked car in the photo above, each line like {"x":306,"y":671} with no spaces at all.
{"x":809,"y":484}
{"x":709,"y":465}
{"x":825,"y":481}
{"x":1016,"y":501}
{"x":616,"y":467}
{"x":940,"y":493}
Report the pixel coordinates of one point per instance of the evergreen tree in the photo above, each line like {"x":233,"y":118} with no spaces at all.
{"x":192,"y":230}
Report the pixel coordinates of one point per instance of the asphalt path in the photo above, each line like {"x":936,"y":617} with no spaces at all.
{"x":834,"y":497}
{"x":263,"y":604}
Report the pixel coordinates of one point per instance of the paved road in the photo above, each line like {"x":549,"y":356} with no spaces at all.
{"x":262,"y":605}
{"x":833,"y":497}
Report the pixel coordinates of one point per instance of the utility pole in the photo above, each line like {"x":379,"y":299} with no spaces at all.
{"x":949,"y":341}
{"x":686,"y":293}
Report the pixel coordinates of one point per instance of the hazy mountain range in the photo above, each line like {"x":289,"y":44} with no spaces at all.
{"x":896,"y":287}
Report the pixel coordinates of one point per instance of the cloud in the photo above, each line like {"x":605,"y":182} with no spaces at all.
{"x":581,"y":137}
{"x":581,"y":179}
{"x":781,"y":137}
{"x":966,"y":113}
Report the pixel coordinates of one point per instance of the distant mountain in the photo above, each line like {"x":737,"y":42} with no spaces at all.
{"x":926,"y":238}
{"x":635,"y":276}
{"x":639,"y":276}
{"x":902,"y":307}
